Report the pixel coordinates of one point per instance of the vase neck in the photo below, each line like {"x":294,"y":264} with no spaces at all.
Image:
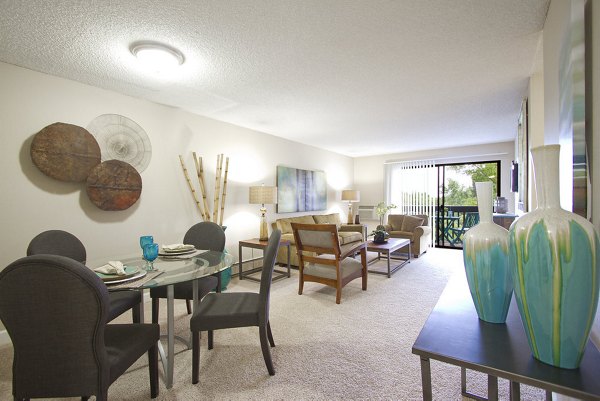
{"x":484,"y":200}
{"x":546,"y":173}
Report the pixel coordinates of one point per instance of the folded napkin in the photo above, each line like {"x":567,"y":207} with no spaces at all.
{"x":112,"y":267}
{"x":177,"y":247}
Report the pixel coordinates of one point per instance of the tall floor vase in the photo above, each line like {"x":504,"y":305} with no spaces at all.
{"x":485,"y":255}
{"x":554,"y":255}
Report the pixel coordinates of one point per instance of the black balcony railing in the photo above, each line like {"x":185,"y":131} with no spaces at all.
{"x":450,"y":224}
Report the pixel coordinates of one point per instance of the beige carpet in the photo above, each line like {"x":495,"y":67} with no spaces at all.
{"x":359,"y":350}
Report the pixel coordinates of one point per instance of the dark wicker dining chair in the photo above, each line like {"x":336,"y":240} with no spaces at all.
{"x":59,"y":242}
{"x":204,"y":235}
{"x":55,"y":311}
{"x":238,"y":309}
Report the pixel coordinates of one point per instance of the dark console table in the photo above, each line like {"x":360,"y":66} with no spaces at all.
{"x":454,"y":334}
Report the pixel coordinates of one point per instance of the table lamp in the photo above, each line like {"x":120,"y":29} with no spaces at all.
{"x":260,"y":196}
{"x":350,"y":195}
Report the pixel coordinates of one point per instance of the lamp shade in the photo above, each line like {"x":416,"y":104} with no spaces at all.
{"x":262,"y":195}
{"x":350,"y":195}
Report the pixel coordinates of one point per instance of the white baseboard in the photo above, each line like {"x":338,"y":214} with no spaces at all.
{"x":4,"y":338}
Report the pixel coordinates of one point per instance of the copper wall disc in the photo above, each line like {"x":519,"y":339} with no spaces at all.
{"x":114,"y":185}
{"x":65,"y":152}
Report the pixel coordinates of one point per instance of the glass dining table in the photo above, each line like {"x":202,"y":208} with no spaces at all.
{"x":167,"y":272}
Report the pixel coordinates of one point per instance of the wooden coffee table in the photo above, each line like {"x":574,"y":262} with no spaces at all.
{"x":392,"y":244}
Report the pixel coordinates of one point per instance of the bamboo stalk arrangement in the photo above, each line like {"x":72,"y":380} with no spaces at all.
{"x":220,"y":193}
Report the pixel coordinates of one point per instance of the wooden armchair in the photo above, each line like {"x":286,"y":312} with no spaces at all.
{"x":323,"y":260}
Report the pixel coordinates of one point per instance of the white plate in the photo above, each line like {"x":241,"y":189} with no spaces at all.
{"x":163,"y":252}
{"x":141,"y":274}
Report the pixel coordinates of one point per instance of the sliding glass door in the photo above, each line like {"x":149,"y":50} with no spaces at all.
{"x":456,"y":208}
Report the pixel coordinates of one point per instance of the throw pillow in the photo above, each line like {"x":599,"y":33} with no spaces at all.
{"x":395,"y":220}
{"x":284,"y":225}
{"x":333,"y":218}
{"x":411,"y":222}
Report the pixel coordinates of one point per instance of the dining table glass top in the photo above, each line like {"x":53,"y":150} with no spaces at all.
{"x":173,"y":271}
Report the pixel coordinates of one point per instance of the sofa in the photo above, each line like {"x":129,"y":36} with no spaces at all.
{"x":416,"y":228}
{"x":348,"y":234}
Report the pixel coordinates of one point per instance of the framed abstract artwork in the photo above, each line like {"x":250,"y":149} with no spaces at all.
{"x":300,"y":190}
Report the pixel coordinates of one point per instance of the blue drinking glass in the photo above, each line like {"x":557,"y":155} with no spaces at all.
{"x":150,"y":254}
{"x":146,"y":240}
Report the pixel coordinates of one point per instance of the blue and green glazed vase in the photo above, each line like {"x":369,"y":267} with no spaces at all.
{"x":485,"y":255}
{"x":553,"y":254}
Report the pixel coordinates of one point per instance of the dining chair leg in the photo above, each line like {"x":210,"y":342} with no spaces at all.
{"x":103,"y":395}
{"x":266,"y":350}
{"x":136,"y":313}
{"x":270,"y":334}
{"x":195,"y":356}
{"x":153,"y":370}
{"x":210,"y":339}
{"x":188,"y":305}
{"x":155,"y":306}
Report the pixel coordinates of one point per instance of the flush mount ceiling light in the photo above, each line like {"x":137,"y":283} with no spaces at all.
{"x":157,"y":56}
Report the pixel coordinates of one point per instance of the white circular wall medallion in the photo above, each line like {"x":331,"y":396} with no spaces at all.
{"x":121,"y":138}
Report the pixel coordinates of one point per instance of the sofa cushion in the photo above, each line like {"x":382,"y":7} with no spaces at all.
{"x":410,"y":223}
{"x":333,"y":218}
{"x":402,"y":234}
{"x":395,"y":220}
{"x":285,"y":225}
{"x":347,"y":237}
{"x":288,"y":237}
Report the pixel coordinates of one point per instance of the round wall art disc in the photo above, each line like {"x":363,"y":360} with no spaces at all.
{"x":65,"y":152}
{"x":121,"y":138}
{"x":114,"y":185}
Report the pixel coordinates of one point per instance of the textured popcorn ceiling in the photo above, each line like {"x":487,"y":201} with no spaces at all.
{"x":358,"y":77}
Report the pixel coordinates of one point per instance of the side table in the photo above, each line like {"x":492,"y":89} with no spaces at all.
{"x":255,"y":243}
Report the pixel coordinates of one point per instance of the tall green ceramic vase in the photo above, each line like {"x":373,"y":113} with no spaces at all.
{"x":485,"y":255}
{"x":553,"y":254}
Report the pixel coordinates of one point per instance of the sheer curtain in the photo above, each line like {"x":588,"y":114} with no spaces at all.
{"x":412,"y":187}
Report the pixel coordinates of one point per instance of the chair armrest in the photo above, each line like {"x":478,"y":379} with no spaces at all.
{"x":422,"y":230}
{"x":388,"y":227}
{"x":358,"y":228}
{"x":351,"y":249}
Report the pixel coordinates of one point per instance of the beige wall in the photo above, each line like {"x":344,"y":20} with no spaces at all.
{"x":32,"y":202}
{"x":369,"y":171}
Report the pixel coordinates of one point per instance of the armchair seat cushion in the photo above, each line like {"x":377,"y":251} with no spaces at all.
{"x":402,"y":234}
{"x":348,"y":267}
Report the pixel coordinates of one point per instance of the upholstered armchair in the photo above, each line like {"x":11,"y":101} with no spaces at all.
{"x":416,"y":228}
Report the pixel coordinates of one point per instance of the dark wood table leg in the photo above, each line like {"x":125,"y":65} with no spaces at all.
{"x":426,"y":379}
{"x":492,"y":388}
{"x":515,"y":391}
{"x":288,"y":260}
{"x":240,"y":275}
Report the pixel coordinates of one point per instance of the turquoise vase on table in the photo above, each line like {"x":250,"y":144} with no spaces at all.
{"x":485,"y":256}
{"x":554,"y":257}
